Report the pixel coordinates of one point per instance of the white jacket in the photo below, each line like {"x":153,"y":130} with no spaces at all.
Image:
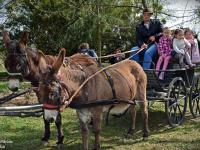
{"x":181,"y":46}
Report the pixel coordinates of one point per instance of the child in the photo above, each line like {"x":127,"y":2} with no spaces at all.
{"x":181,"y":47}
{"x":194,"y":51}
{"x":117,"y":58}
{"x":85,"y":49}
{"x":165,"y":49}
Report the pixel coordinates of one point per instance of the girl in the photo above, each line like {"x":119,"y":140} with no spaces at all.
{"x":165,"y":49}
{"x":181,"y":47}
{"x":194,"y":51}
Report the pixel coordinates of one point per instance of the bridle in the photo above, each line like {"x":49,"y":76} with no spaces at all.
{"x":21,"y":56}
{"x":57,"y":97}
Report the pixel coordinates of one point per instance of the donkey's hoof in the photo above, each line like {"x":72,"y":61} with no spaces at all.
{"x":45,"y":143}
{"x":129,"y":136}
{"x":59,"y":146}
{"x":145,"y":138}
{"x":96,"y":148}
{"x":131,"y":132}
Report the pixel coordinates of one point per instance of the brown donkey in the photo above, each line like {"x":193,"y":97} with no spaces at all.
{"x":25,"y":60}
{"x":58,"y":83}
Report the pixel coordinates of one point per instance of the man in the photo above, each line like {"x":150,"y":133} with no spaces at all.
{"x":147,"y":33}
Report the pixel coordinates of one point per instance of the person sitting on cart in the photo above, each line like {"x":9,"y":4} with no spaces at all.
{"x":164,"y":50}
{"x":147,"y":33}
{"x":118,"y":57}
{"x":194,"y":51}
{"x":180,"y":48}
{"x":85,"y":49}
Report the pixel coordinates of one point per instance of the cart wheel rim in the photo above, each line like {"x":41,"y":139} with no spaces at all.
{"x":176,"y":107}
{"x":194,"y":102}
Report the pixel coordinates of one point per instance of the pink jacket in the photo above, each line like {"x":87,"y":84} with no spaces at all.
{"x":165,"y":45}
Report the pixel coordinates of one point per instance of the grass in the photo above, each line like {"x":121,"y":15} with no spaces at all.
{"x":4,"y":86}
{"x":25,"y":133}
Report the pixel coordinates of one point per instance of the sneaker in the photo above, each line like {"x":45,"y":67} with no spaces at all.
{"x":182,"y":65}
{"x":192,"y":65}
{"x":186,"y":66}
{"x":161,"y":76}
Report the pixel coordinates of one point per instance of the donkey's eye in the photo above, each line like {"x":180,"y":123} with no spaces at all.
{"x":51,"y":96}
{"x":18,"y":67}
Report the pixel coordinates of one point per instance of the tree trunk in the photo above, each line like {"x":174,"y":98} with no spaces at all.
{"x":144,"y":3}
{"x":98,"y":33}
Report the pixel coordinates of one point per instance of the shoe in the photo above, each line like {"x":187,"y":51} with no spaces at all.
{"x":182,"y":65}
{"x":192,"y":65}
{"x":157,"y":73}
{"x":186,"y":66}
{"x":161,"y":76}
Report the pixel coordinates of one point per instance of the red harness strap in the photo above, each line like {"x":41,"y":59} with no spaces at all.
{"x":49,"y":106}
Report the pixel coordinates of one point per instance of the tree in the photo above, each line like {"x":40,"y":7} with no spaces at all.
{"x":53,"y":24}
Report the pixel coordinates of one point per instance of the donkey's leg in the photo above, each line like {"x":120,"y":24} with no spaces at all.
{"x":97,"y":128}
{"x":83,"y":119}
{"x":58,"y":123}
{"x":47,"y":130}
{"x":144,"y":111}
{"x":84,"y":132}
{"x":133,"y":117}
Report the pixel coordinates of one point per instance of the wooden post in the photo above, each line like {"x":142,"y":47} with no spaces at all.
{"x":98,"y":33}
{"x":144,"y":3}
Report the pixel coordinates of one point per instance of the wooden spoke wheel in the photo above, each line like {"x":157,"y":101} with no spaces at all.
{"x":194,"y":100}
{"x":176,"y":105}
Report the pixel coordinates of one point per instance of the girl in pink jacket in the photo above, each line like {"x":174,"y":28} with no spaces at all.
{"x":164,"y":50}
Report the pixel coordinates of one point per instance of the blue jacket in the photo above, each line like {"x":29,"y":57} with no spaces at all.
{"x":89,"y":52}
{"x":143,"y":34}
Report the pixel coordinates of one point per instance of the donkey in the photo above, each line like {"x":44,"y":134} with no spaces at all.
{"x":22,"y":59}
{"x":58,"y":84}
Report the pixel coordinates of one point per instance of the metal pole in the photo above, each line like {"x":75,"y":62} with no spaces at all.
{"x":16,"y":108}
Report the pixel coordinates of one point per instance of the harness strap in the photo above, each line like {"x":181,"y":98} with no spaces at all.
{"x":49,"y":106}
{"x":101,"y":102}
{"x":110,"y":80}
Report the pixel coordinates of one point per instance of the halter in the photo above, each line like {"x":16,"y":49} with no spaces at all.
{"x":21,"y":55}
{"x":56,"y":96}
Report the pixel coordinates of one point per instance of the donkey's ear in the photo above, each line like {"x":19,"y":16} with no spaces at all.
{"x":6,"y":37}
{"x":24,"y":38}
{"x":58,"y":63}
{"x":42,"y":61}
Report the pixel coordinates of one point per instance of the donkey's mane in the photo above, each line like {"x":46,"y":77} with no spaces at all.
{"x":75,"y":67}
{"x":83,"y":60}
{"x":34,"y":53}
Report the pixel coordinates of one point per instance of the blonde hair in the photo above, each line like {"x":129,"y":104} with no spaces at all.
{"x":166,"y":29}
{"x":84,"y":46}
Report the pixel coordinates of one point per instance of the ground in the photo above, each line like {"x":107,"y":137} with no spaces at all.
{"x":25,"y":133}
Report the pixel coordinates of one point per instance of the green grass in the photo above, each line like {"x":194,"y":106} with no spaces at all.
{"x":4,"y":86}
{"x":25,"y":133}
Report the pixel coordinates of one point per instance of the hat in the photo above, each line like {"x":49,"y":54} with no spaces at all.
{"x":147,"y":10}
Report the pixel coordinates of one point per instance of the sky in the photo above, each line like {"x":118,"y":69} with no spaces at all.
{"x":183,"y":8}
{"x":178,"y":8}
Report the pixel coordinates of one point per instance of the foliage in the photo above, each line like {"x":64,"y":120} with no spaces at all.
{"x":53,"y":24}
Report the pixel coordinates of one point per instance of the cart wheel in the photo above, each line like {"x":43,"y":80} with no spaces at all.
{"x":176,"y":106}
{"x":194,"y":101}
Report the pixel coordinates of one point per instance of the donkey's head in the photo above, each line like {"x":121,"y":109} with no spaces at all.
{"x":52,"y":91}
{"x":16,"y":60}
